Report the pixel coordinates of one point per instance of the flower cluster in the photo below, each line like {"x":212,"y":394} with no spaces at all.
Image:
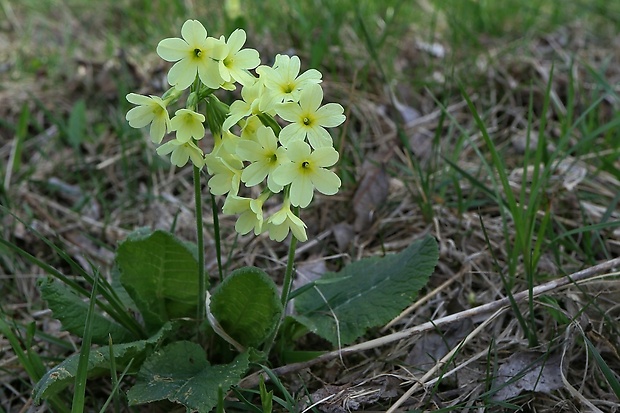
{"x":251,"y":148}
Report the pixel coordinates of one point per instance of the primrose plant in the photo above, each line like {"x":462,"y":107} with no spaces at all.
{"x":184,"y":322}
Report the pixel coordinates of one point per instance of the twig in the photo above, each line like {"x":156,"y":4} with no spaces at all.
{"x":474,"y":313}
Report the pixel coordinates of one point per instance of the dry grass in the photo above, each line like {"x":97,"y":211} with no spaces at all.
{"x":88,"y":197}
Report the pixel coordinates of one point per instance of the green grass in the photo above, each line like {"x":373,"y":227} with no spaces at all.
{"x":70,"y":65}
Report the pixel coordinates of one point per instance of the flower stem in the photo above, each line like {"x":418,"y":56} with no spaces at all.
{"x":286,"y":289}
{"x":202,"y":281}
{"x":288,"y":275}
{"x":218,"y":244}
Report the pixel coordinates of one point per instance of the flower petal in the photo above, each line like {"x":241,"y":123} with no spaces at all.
{"x":158,"y":129}
{"x":326,"y":182}
{"x":330,"y":115}
{"x":167,"y":147}
{"x":140,"y":116}
{"x":173,"y":49}
{"x":255,"y":173}
{"x":298,"y":227}
{"x":302,"y":191}
{"x":289,"y":111}
{"x":325,"y":156}
{"x":209,"y":73}
{"x":236,"y":40}
{"x":292,"y":69}
{"x":311,"y":98}
{"x":182,"y":74}
{"x":319,"y":137}
{"x":309,"y":76}
{"x":293,"y":132}
{"x":193,"y":32}
{"x":180,"y":156}
{"x":249,"y":150}
{"x":284,"y":174}
{"x":137,"y":99}
{"x":247,"y":59}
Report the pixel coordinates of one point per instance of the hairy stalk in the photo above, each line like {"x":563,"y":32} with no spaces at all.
{"x":202,"y":281}
{"x":288,"y":275}
{"x":216,"y":232}
{"x":286,"y":287}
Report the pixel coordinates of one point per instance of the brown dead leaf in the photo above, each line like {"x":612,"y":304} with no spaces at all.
{"x":527,"y":371}
{"x":434,"y":345}
{"x":347,"y":398}
{"x":344,"y":234}
{"x":309,"y":271}
{"x":370,"y":195}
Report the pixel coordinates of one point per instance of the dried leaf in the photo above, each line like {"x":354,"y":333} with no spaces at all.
{"x":434,"y":345}
{"x":527,"y":371}
{"x":347,"y":398}
{"x":434,"y":49}
{"x":370,"y":195}
{"x":407,"y":114}
{"x":309,"y":271}
{"x":343,"y":233}
{"x":568,"y":173}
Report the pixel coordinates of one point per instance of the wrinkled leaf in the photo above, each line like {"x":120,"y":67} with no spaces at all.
{"x":181,"y":373}
{"x":527,"y":371}
{"x":247,"y":306}
{"x":370,"y":292}
{"x":71,"y":310}
{"x":160,"y":273}
{"x":63,"y":374}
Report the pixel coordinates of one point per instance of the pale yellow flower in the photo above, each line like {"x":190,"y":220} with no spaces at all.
{"x":194,"y":54}
{"x":309,"y":118}
{"x":239,"y":109}
{"x":283,"y":221}
{"x":150,"y":109}
{"x":250,"y":210}
{"x":265,"y":156}
{"x":188,"y":125}
{"x":283,"y":81}
{"x":182,"y":152}
{"x":226,"y":174}
{"x":305,"y":170}
{"x":237,"y":63}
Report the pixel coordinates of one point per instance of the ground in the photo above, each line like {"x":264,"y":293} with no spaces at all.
{"x":495,"y":129}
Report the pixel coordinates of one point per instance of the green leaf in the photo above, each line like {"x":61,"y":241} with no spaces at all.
{"x":76,"y":128}
{"x":99,"y":363}
{"x":160,"y":273}
{"x":371,"y":292}
{"x":181,"y":373}
{"x":247,"y":306}
{"x":71,"y":310}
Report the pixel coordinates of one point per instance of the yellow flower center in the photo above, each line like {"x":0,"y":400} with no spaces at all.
{"x":197,"y":52}
{"x":306,"y":121}
{"x":305,"y":164}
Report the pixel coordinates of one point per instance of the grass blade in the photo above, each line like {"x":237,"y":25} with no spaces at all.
{"x":611,"y":378}
{"x":82,"y":370}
